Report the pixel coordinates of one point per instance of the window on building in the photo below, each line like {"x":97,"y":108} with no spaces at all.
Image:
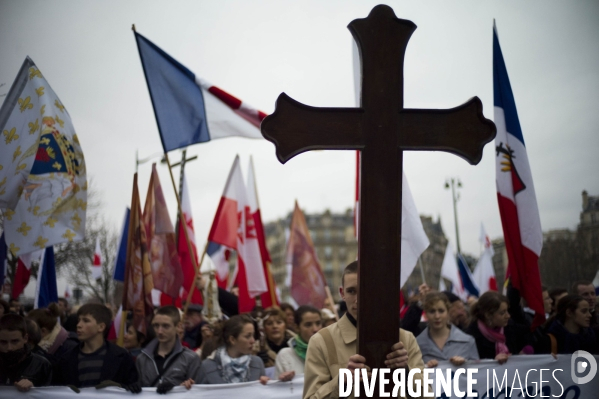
{"x":327,"y":234}
{"x":328,"y":267}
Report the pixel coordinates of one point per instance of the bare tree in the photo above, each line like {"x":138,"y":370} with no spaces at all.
{"x":74,"y":259}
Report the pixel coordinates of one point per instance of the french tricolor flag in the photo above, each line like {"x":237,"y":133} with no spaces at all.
{"x":515,"y":192}
{"x":188,"y":109}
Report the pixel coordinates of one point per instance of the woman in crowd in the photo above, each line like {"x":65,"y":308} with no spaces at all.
{"x":291,"y":360}
{"x":568,"y":330}
{"x":490,"y":318}
{"x":276,"y":335}
{"x":441,"y":340}
{"x":133,"y":340}
{"x":233,"y":361}
{"x":289,"y":317}
{"x":55,"y":339}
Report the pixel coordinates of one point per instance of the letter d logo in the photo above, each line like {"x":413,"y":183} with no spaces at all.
{"x":582,"y":366}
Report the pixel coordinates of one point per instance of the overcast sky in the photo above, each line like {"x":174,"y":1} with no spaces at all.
{"x":257,"y":49}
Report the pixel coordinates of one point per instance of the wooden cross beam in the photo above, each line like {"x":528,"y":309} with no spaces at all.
{"x":382,"y":129}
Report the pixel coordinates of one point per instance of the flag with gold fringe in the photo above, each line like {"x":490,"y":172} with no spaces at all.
{"x":137,"y":292}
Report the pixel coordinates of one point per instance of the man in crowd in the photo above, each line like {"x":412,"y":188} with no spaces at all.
{"x":95,"y":361}
{"x":322,"y":372}
{"x":18,"y":366}
{"x":193,"y":325}
{"x":165,"y":363}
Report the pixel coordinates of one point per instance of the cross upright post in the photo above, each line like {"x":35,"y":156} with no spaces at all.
{"x":382,"y":129}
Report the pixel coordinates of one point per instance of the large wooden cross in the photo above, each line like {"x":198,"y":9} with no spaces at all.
{"x":382,"y":129}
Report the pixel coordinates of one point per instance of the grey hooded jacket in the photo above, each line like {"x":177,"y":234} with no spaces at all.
{"x":185,"y":365}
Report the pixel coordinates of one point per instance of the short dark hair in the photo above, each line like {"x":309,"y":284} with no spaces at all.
{"x":578,"y":283}
{"x":285,"y":306}
{"x":170,"y":311}
{"x":99,"y":312}
{"x":302,"y":310}
{"x":13,"y":322}
{"x":349,"y":269}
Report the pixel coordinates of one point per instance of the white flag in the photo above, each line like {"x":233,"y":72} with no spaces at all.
{"x":484,"y":274}
{"x":449,"y":270}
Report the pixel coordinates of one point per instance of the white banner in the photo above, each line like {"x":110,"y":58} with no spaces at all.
{"x":521,"y":377}
{"x":246,"y":390}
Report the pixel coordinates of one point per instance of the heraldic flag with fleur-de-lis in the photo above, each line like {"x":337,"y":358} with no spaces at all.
{"x":45,"y":167}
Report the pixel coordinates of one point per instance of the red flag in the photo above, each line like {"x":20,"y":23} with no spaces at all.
{"x":307,"y":280}
{"x":22,"y":275}
{"x":233,"y":226}
{"x":164,"y":259}
{"x":137,"y":292}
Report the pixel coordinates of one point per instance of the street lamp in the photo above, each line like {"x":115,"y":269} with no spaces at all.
{"x":455,"y":196}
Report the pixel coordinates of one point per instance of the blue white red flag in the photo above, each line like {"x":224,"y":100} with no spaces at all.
{"x":515,"y":192}
{"x":46,"y":291}
{"x":121,"y":253}
{"x":188,"y":109}
{"x":466,"y":277}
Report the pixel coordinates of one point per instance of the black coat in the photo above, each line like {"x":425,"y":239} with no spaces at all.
{"x":118,"y":367}
{"x":516,"y":337}
{"x":567,"y":342}
{"x":34,"y":368}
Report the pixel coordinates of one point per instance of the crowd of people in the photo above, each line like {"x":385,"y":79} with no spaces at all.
{"x":59,"y":345}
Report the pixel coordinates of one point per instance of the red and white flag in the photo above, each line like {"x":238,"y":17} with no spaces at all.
{"x":484,"y":274}
{"x":233,"y":227}
{"x":515,"y":192}
{"x":189,"y":272}
{"x":97,"y":263}
{"x":269,"y":298}
{"x":68,"y":292}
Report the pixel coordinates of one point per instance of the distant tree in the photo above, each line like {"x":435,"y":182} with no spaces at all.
{"x":74,"y":259}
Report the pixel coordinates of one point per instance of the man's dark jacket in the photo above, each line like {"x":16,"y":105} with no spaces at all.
{"x":118,"y":366}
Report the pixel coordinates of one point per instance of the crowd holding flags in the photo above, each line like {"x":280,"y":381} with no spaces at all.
{"x":43,"y":192}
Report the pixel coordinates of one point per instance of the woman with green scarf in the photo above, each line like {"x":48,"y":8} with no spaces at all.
{"x":290,"y":361}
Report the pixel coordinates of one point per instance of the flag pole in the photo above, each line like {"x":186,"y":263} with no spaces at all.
{"x":120,"y":341}
{"x":330,"y":298}
{"x":189,"y":248}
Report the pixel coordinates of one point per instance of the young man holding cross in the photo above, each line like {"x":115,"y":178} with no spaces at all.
{"x":321,"y":372}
